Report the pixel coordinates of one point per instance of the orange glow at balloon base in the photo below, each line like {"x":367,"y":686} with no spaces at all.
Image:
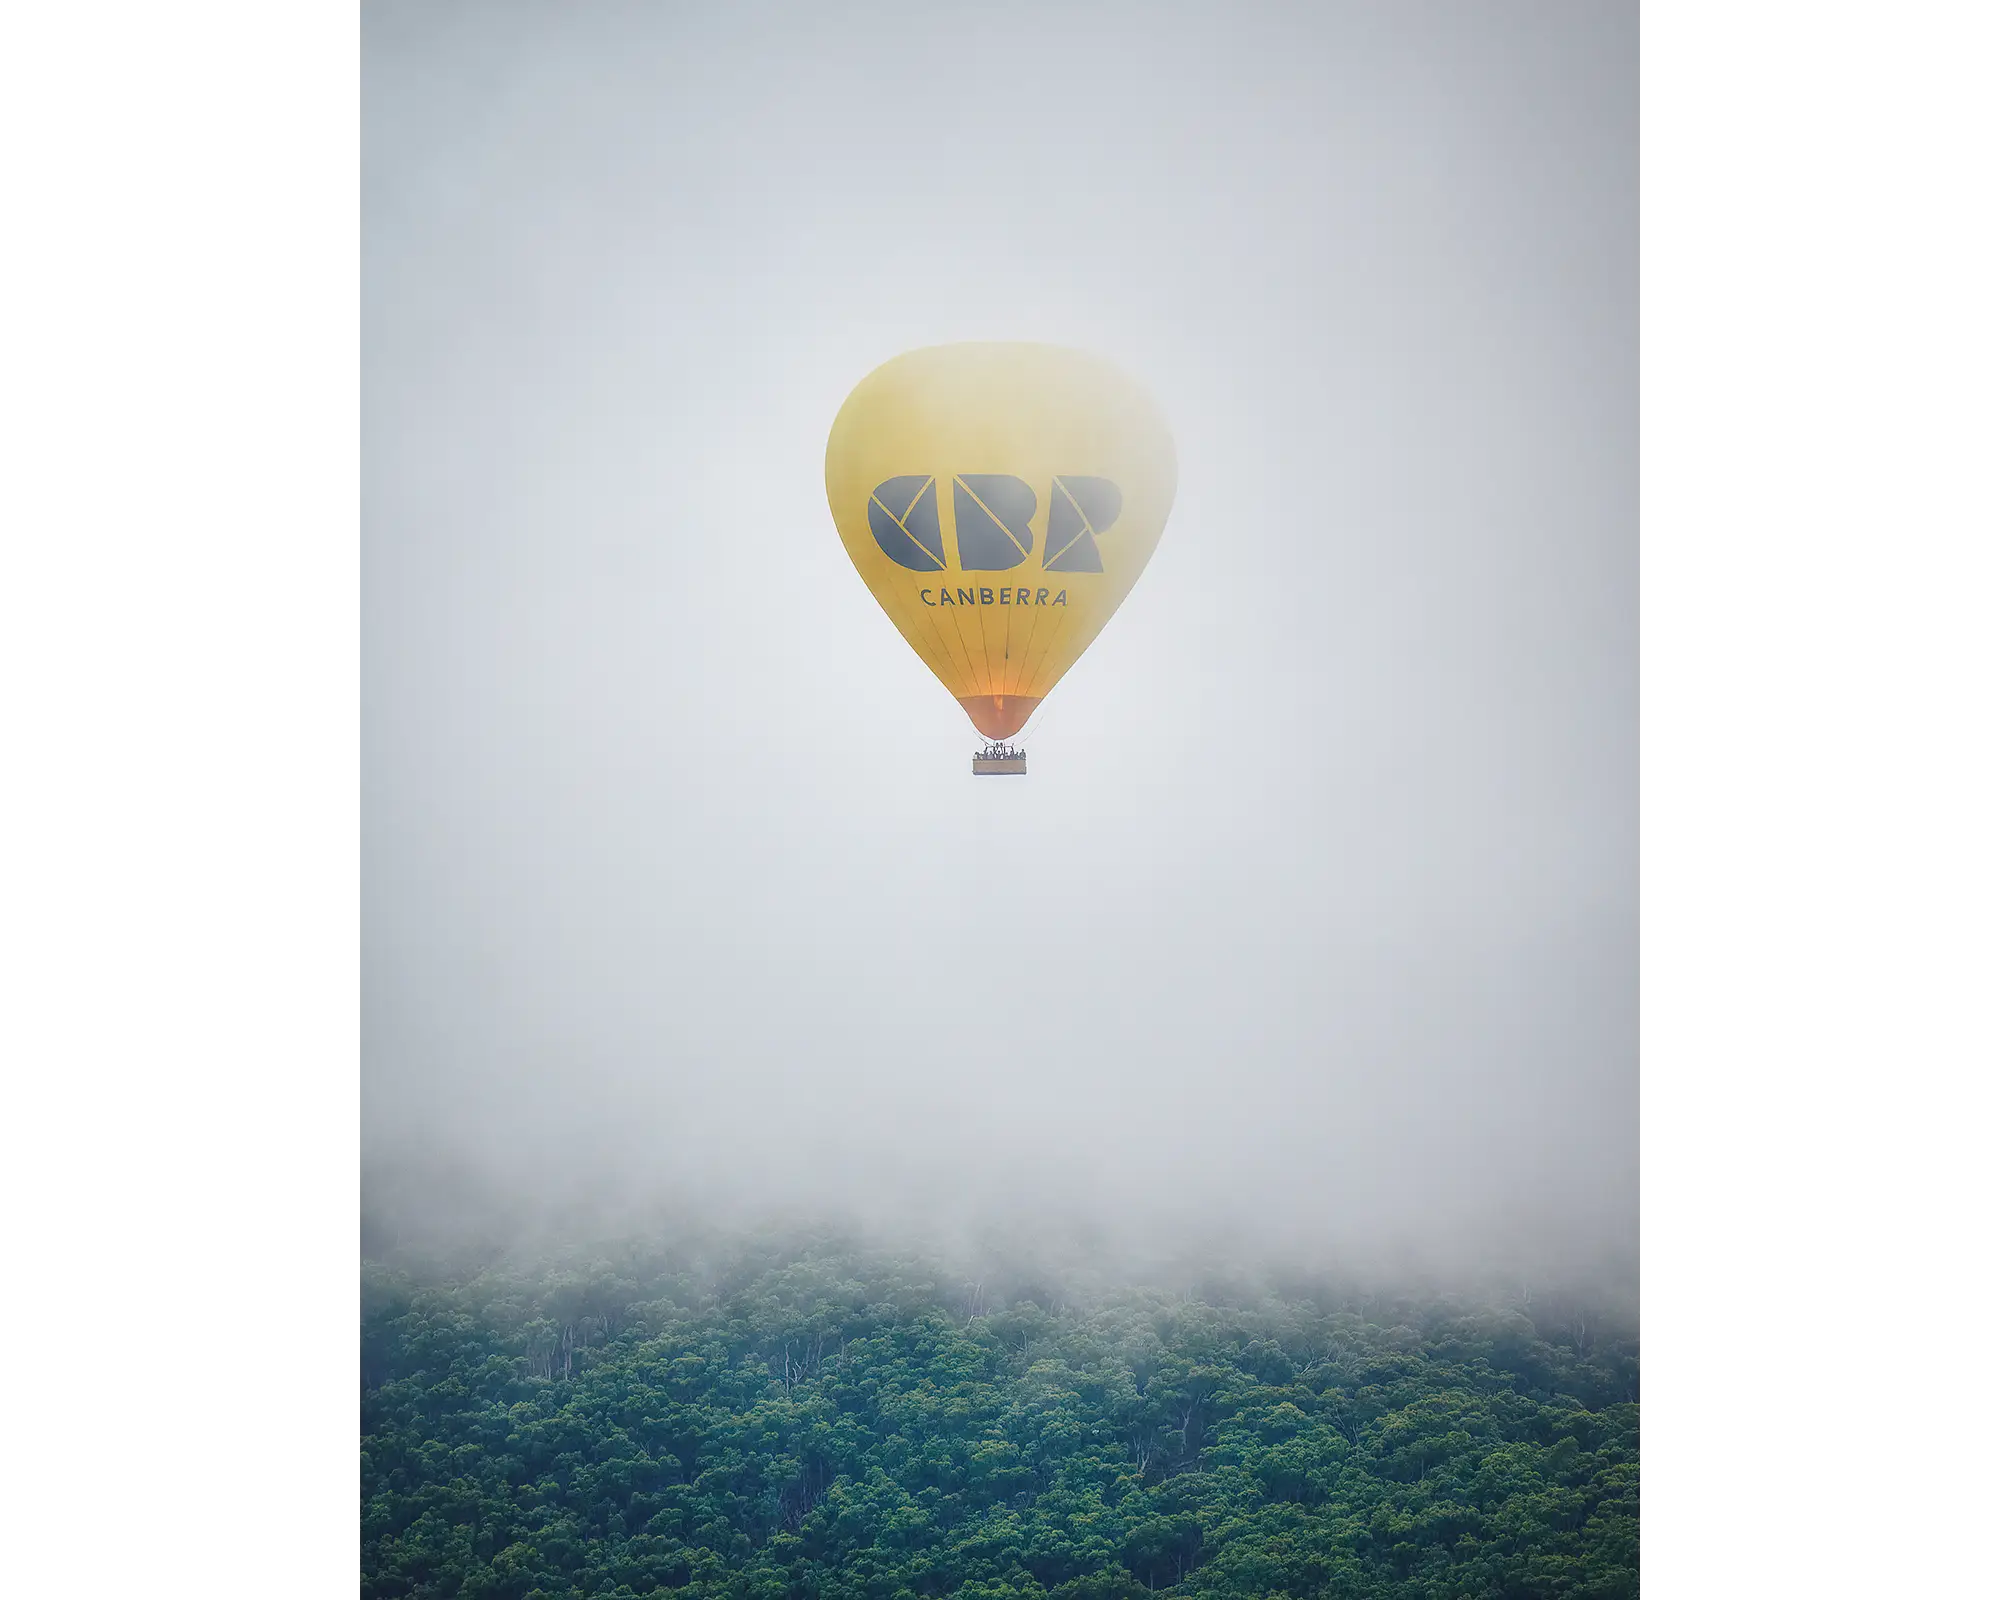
{"x":1000,"y":716}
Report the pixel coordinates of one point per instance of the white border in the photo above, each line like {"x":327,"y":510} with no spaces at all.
{"x":1819,"y":797}
{"x":178,"y":645}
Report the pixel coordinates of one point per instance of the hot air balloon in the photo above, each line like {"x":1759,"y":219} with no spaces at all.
{"x":999,"y":500}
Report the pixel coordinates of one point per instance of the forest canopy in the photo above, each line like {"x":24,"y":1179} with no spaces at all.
{"x":819,"y":1419}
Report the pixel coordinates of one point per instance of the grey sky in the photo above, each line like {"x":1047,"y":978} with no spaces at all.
{"x":1318,"y":911}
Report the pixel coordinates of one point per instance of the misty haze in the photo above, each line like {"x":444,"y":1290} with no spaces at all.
{"x":1309,"y":942}
{"x":1318,"y":911}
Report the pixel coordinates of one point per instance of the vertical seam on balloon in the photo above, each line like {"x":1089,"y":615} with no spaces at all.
{"x":1028,"y":652}
{"x":970,"y":671}
{"x":1025,"y":678}
{"x":1007,"y":651}
{"x":944,"y":643}
{"x":985,"y":655}
{"x":1049,"y":649}
{"x":1007,"y":659}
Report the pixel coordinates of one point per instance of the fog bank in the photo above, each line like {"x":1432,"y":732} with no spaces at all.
{"x":1313,"y":928}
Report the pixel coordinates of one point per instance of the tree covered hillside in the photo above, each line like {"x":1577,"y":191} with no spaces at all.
{"x":826,"y":1422}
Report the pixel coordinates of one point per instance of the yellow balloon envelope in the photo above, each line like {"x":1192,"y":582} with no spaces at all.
{"x":999,"y":500}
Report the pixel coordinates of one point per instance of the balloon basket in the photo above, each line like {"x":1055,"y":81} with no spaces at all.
{"x":999,"y":758}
